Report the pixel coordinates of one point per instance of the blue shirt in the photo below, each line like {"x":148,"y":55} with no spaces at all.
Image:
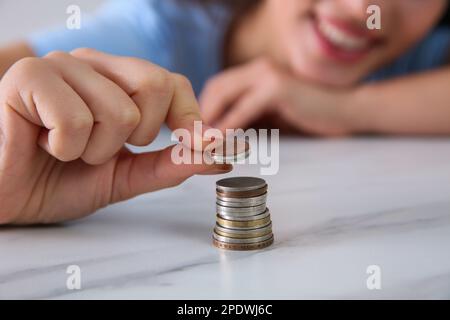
{"x":188,"y":38}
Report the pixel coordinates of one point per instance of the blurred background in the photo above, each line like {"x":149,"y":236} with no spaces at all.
{"x":18,"y":18}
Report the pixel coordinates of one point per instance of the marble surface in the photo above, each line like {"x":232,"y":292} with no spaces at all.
{"x":337,"y":206}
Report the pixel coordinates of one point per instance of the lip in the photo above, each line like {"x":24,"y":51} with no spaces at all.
{"x":349,"y":28}
{"x":339,"y":54}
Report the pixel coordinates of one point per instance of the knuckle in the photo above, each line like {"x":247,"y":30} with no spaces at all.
{"x":56,"y":55}
{"x":83,"y":52}
{"x":152,"y":79}
{"x":181,"y":81}
{"x":159,"y":81}
{"x":78,"y":124}
{"x":27,"y":67}
{"x":128,"y":117}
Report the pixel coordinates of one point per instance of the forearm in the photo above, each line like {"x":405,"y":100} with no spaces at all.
{"x":418,"y":104}
{"x":12,"y":53}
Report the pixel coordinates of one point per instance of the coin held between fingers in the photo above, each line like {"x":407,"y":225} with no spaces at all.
{"x":232,"y":150}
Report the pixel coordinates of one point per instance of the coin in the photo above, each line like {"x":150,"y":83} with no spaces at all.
{"x":243,"y":234}
{"x":242,"y":194}
{"x":240,"y":205}
{"x":239,"y":184}
{"x":241,"y":231}
{"x":233,"y":149}
{"x":243,"y":224}
{"x":243,"y":247}
{"x":242,"y":211}
{"x":242,"y":202}
{"x":241,"y":241}
{"x":247,"y":218}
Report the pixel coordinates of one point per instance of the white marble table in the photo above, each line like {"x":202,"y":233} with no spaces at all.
{"x":337,"y":206}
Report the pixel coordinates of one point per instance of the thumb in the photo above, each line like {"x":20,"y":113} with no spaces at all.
{"x":136,"y":174}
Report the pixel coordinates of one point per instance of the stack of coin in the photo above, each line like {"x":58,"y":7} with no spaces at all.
{"x":243,"y":220}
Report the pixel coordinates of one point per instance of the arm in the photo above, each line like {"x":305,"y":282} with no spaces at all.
{"x":416,"y":104}
{"x":12,"y":53}
{"x":141,"y":29}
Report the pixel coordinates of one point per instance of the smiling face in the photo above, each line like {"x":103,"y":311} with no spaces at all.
{"x":328,"y":41}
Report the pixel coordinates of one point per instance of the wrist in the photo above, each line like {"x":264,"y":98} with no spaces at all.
{"x":356,"y":104}
{"x":323,"y":111}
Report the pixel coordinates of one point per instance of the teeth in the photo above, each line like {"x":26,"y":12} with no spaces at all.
{"x":342,"y":39}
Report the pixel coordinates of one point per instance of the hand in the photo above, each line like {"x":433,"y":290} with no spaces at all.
{"x":240,"y":96}
{"x":64,"y":120}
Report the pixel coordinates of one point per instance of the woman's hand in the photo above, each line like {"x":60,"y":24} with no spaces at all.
{"x":239,"y":97}
{"x":64,"y":120}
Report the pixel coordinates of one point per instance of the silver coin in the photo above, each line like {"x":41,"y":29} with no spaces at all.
{"x":242,"y":194}
{"x":234,"y":149}
{"x":242,"y":241}
{"x":240,"y":184}
{"x":263,"y":215}
{"x":231,"y":159}
{"x":249,"y":203}
{"x":264,"y":229}
{"x":242,"y":211}
{"x":257,"y":200}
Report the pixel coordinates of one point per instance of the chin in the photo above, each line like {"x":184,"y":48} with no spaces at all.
{"x":323,"y":74}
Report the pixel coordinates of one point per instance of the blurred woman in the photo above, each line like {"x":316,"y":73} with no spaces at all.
{"x":310,"y":65}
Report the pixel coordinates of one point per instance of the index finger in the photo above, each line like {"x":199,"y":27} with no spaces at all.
{"x":141,"y":80}
{"x":184,"y":112}
{"x":184,"y":109}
